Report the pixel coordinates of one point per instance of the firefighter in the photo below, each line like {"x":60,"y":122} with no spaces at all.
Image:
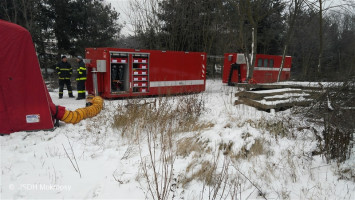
{"x":81,"y":78}
{"x":64,"y":71}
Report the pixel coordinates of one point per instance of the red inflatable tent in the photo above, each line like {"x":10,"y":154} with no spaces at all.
{"x":25,"y":104}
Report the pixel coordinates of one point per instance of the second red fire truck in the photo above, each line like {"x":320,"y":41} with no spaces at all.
{"x":266,"y":68}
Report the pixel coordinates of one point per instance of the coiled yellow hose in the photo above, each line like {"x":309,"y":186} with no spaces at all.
{"x":83,"y":113}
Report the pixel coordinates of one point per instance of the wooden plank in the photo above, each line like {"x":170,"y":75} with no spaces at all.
{"x":288,"y":96}
{"x":284,"y":98}
{"x":276,"y":106}
{"x":271,"y":86}
{"x":314,"y":86}
{"x":257,"y":95}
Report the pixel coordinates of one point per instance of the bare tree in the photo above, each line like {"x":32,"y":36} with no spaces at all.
{"x":20,"y":12}
{"x":296,"y":4}
{"x":246,"y":13}
{"x":9,"y":10}
{"x":320,"y":36}
{"x":322,"y":6}
{"x":144,"y":19}
{"x":252,"y":12}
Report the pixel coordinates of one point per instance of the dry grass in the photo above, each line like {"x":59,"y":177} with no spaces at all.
{"x":185,"y":146}
{"x":204,"y":173}
{"x":256,"y":149}
{"x":218,"y":180}
{"x":188,"y":145}
{"x":179,"y":114}
{"x":347,"y":173}
{"x":154,"y":126}
{"x":226,"y":148}
{"x":277,"y":127}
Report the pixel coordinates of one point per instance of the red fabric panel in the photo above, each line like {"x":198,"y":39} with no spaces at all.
{"x":4,"y":121}
{"x":22,"y":91}
{"x":52,"y":106}
{"x":61,"y":111}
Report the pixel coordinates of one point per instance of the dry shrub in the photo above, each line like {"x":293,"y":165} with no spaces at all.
{"x":185,"y":146}
{"x":218,"y":181}
{"x":204,"y":173}
{"x":277,"y":127}
{"x":180,"y":114}
{"x":337,"y":143}
{"x":157,"y":167}
{"x":226,"y":148}
{"x":155,"y":124}
{"x":256,"y":149}
{"x":347,"y":173}
{"x":334,"y":107}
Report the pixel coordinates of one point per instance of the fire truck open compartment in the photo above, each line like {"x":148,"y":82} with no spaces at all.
{"x":119,"y":70}
{"x":116,"y":73}
{"x":266,"y":68}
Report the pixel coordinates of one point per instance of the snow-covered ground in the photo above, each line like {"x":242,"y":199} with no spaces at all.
{"x":253,"y":154}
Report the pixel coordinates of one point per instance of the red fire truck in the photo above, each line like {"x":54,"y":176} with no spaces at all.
{"x":266,"y":68}
{"x":115,"y":73}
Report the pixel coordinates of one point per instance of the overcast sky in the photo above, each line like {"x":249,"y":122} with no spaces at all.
{"x":122,"y":6}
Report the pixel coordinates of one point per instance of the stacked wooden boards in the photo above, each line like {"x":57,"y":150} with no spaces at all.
{"x":277,"y":99}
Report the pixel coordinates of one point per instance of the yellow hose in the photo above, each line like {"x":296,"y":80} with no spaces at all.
{"x":83,"y":113}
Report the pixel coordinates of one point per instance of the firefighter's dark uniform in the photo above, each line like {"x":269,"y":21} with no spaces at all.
{"x":64,"y":71}
{"x":81,"y":80}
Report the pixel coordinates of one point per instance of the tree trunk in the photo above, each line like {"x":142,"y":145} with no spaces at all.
{"x":320,"y":37}
{"x":15,"y":11}
{"x":252,"y":57}
{"x":282,"y":62}
{"x":293,"y":16}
